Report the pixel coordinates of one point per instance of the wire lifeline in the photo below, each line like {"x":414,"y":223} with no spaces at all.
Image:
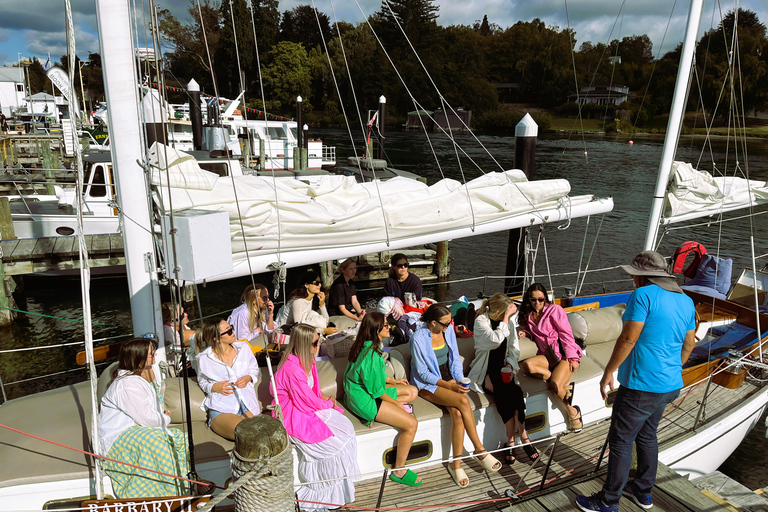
{"x":51,"y":316}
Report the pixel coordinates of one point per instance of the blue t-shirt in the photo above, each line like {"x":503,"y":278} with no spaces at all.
{"x":654,"y":363}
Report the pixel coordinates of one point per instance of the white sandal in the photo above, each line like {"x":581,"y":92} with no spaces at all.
{"x":458,"y":475}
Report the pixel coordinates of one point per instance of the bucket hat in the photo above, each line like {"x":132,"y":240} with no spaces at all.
{"x":652,"y":265}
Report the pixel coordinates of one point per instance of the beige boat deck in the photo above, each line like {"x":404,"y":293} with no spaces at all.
{"x":572,"y":471}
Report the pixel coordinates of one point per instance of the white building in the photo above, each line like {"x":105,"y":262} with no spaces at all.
{"x":12,"y":90}
{"x":43,"y":104}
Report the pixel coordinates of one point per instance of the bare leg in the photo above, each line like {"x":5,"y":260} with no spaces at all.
{"x":536,"y":366}
{"x":224,"y":424}
{"x":561,"y":377}
{"x":509,"y":426}
{"x":391,"y":414}
{"x":405,"y":394}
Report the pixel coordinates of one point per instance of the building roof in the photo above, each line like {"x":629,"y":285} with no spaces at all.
{"x":9,"y":74}
{"x":42,"y":96}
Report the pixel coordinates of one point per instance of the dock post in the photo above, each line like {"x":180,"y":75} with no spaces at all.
{"x":327,"y":269}
{"x":443,"y":265}
{"x":262,"y":466}
{"x":305,"y":148}
{"x":247,"y":150}
{"x":262,"y":156}
{"x":526,"y":133}
{"x":6,"y":289}
{"x":50,"y":162}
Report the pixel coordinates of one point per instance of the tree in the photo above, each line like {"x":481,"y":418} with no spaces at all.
{"x":236,"y":49}
{"x":400,"y":22}
{"x":287,"y":75}
{"x":266,"y":24}
{"x":300,"y":25}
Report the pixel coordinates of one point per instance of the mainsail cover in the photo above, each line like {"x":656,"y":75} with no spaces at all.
{"x":692,"y":194}
{"x":337,"y":212}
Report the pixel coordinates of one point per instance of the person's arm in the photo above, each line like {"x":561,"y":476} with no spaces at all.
{"x":252,"y":367}
{"x":624,"y":345}
{"x":270,"y":323}
{"x":301,"y":395}
{"x":388,"y":288}
{"x":417,"y":287}
{"x":419,"y":360}
{"x":487,"y":338}
{"x":356,"y":306}
{"x":374,"y":377}
{"x":689,"y":343}
{"x":344,"y":311}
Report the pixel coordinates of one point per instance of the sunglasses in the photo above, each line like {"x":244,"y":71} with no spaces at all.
{"x":402,"y":265}
{"x":228,"y":332}
{"x":534,"y":299}
{"x":315,"y":343}
{"x":316,"y":283}
{"x":183,"y":314}
{"x":444,"y":325}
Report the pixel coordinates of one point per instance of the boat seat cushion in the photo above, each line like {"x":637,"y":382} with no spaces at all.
{"x":713,"y":272}
{"x":173,"y":398}
{"x":595,"y":326}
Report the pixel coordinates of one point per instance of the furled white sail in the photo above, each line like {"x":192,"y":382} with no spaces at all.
{"x":692,"y":194}
{"x":336,"y":216}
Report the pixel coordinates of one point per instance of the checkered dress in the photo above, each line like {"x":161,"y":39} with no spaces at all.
{"x":151,"y":448}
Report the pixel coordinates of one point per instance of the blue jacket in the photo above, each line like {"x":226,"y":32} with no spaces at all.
{"x":424,"y":370}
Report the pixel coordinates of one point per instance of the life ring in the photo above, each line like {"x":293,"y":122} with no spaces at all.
{"x":681,"y":255}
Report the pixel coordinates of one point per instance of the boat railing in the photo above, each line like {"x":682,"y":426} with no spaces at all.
{"x":329,"y":154}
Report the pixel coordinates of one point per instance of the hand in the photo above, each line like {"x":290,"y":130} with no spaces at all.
{"x":321,"y":298}
{"x":224,"y":388}
{"x":521,"y":334}
{"x":330,"y":330}
{"x":511,"y":310}
{"x":270,"y":307}
{"x":242,"y":381}
{"x":331,"y":398}
{"x":167,"y":412}
{"x":607,"y":380}
{"x":574,"y":365}
{"x":402,"y":382}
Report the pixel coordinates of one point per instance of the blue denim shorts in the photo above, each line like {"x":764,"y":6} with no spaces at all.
{"x":212,"y":413}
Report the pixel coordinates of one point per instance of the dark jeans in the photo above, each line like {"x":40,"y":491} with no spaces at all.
{"x":635,"y":419}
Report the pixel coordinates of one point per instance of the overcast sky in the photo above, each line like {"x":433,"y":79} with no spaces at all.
{"x":35,"y":28}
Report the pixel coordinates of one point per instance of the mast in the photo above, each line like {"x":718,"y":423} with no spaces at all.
{"x":118,"y":65}
{"x":676,"y":114}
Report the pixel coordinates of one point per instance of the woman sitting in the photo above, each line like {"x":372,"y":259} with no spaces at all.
{"x":325,"y":439}
{"x":254,"y":315}
{"x":497,"y":351}
{"x":437,"y":372}
{"x":558,"y":354}
{"x":343,"y":300}
{"x":372,"y":395}
{"x":227,"y":373}
{"x":132,"y":425}
{"x":306,"y":304}
{"x":400,"y":281}
{"x":175,"y":321}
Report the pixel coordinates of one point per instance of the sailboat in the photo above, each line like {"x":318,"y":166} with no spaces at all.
{"x":40,"y":474}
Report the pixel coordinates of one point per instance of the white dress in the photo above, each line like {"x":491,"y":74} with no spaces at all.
{"x":300,"y":310}
{"x":335,"y":457}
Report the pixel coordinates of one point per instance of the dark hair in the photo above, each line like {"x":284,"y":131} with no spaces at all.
{"x":209,"y":335}
{"x":434,"y":313}
{"x":301,"y":292}
{"x":168,"y":312}
{"x":526,"y":308}
{"x":133,"y":355}
{"x":370,"y":327}
{"x":393,"y":261}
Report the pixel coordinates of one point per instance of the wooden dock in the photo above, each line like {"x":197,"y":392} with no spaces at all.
{"x":24,"y":256}
{"x":574,"y":470}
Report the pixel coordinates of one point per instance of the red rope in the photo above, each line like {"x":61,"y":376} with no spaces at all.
{"x":111,"y":460}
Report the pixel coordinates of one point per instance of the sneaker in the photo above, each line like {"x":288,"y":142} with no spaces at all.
{"x":641,"y":500}
{"x":595,"y":503}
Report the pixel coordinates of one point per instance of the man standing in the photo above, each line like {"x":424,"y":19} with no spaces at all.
{"x":658,"y":336}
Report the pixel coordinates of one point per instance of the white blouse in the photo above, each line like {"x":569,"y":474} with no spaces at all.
{"x":239,"y":320}
{"x":300,"y":310}
{"x":129,"y":399}
{"x":488,"y":339}
{"x":211,"y":370}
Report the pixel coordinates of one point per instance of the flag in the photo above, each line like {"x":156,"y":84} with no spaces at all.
{"x":47,"y":64}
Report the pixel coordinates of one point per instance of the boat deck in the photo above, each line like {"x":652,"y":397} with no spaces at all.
{"x":571,"y":471}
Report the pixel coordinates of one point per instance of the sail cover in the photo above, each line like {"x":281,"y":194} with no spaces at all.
{"x":692,"y":194}
{"x":335,"y":216}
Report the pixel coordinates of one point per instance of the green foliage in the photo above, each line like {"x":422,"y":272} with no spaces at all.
{"x":305,"y":25}
{"x":287,"y":75}
{"x":507,"y":118}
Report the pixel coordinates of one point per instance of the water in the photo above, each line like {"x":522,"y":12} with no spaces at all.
{"x":611,"y":167}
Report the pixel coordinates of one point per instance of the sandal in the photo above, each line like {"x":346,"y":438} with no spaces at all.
{"x":531,"y":451}
{"x":409,"y":478}
{"x":458,"y":474}
{"x":489,"y":462}
{"x":575,"y":423}
{"x":510,"y":454}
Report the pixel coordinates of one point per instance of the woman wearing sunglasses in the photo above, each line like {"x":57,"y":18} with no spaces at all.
{"x":175,"y":319}
{"x":558,"y":354}
{"x":324,"y":437}
{"x":227,"y":373}
{"x":306,"y":304}
{"x":255,"y":313}
{"x":437,"y":371}
{"x":372,"y":395}
{"x":400,"y":281}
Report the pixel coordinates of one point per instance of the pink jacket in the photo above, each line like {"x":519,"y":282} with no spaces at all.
{"x":553,"y":325}
{"x":299,"y":403}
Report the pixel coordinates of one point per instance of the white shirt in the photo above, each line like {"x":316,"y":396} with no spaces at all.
{"x":239,"y":320}
{"x":129,"y":399}
{"x":487,"y":339}
{"x":211,"y":370}
{"x":300,"y":310}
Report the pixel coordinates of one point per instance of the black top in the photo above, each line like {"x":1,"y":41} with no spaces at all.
{"x":497,"y":356}
{"x":341,"y":295}
{"x":393,"y":287}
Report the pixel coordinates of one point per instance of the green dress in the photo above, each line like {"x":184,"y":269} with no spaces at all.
{"x":364,"y":381}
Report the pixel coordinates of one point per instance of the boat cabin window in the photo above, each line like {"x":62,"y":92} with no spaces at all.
{"x":277,"y":132}
{"x":295,"y":133}
{"x":97,"y":181}
{"x":536,"y":422}
{"x":255,"y":134}
{"x":219,"y":168}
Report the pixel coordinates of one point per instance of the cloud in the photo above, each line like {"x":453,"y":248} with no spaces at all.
{"x":5,"y":34}
{"x":55,"y":43}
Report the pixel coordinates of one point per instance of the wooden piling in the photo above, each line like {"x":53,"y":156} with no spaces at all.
{"x":50,"y":162}
{"x":526,"y":133}
{"x":443,"y":264}
{"x":262,"y":156}
{"x":6,"y":289}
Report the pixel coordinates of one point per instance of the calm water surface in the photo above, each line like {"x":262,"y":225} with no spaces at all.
{"x":603,"y":166}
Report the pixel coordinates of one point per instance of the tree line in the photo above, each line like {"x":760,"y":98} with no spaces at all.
{"x":401,"y":52}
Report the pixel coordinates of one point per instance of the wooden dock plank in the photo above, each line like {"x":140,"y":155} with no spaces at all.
{"x":8,"y":246}
{"x":100,"y":244}
{"x":116,"y":243}
{"x":23,"y":249}
{"x":43,"y":248}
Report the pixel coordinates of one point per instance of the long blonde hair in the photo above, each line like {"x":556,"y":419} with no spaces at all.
{"x":255,"y":314}
{"x":300,"y":345}
{"x":497,"y":303}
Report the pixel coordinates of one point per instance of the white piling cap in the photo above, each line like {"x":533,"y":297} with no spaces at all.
{"x":305,"y":127}
{"x":527,"y":127}
{"x":298,"y":99}
{"x":193,"y":86}
{"x":382,"y":99}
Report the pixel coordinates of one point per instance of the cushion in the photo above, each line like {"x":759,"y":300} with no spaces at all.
{"x":597,"y":325}
{"x":704,"y":290}
{"x":173,"y":398}
{"x":707,"y":276}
